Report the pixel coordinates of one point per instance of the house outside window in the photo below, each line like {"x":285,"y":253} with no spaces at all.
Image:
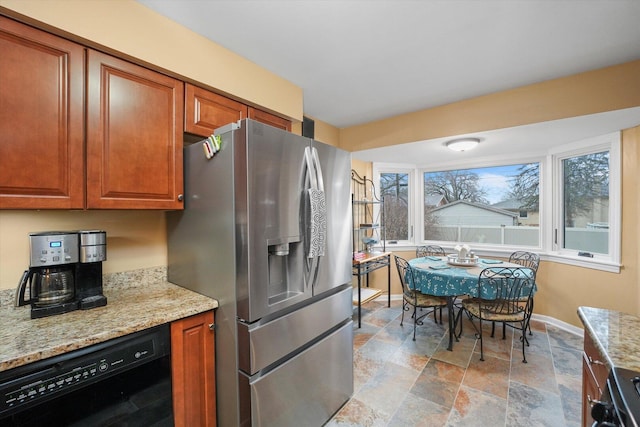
{"x":481,"y":205}
{"x":564,"y":204}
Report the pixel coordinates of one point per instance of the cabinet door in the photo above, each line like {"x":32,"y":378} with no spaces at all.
{"x":41,"y":119}
{"x":134,"y":136}
{"x":206,"y":111}
{"x":269,"y":119}
{"x":193,"y":371}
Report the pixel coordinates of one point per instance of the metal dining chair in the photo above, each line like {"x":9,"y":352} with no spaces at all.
{"x":430,"y":250}
{"x":416,"y":299}
{"x":504,"y":295}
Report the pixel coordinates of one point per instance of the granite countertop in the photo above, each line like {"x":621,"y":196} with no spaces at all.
{"x":615,"y":334}
{"x":134,"y":302}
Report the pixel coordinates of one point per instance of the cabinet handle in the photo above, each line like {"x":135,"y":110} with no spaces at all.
{"x":592,"y":402}
{"x":595,"y":361}
{"x":180,"y":197}
{"x":212,"y":326}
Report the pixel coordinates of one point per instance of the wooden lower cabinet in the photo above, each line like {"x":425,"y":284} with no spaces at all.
{"x":594,"y":378}
{"x":193,"y":371}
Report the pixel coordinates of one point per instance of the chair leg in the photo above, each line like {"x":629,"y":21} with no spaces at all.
{"x":530,"y":311}
{"x":504,"y":331}
{"x":404,"y":308}
{"x":524,"y":333}
{"x":493,"y":328}
{"x":415,"y":321}
{"x":481,"y":348}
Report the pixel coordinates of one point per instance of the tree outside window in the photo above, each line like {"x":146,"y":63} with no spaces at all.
{"x":394,"y":188}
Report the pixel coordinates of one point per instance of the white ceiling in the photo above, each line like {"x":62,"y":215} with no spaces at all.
{"x":362,"y":60}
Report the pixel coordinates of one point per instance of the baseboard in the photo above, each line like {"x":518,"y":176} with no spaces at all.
{"x":537,"y":317}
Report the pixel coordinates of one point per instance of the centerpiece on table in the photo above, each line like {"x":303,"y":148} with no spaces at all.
{"x":463,"y":256}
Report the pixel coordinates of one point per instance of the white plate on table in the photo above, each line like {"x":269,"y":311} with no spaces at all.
{"x":462,"y":262}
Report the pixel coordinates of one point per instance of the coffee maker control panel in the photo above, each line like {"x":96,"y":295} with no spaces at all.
{"x":53,"y":248}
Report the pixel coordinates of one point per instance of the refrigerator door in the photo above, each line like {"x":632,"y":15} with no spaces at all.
{"x":304,"y":391}
{"x":270,"y":173}
{"x":335,"y":265}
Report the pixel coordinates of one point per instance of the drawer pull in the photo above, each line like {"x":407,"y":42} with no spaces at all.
{"x":595,"y":361}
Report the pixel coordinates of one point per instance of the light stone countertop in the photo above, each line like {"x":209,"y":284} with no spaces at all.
{"x":135,"y":301}
{"x":615,"y":334}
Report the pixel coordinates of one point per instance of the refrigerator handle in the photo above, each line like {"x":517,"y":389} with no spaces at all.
{"x":317,"y":220}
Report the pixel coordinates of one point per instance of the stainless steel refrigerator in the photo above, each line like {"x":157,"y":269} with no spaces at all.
{"x":266,"y":231}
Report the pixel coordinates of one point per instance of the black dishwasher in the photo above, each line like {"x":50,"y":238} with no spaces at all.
{"x":121,"y":382}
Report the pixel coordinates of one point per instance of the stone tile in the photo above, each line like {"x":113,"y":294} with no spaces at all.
{"x":357,"y":414}
{"x":537,"y":372}
{"x":401,"y":382}
{"x":386,"y":390}
{"x":571,"y":394}
{"x":377,"y":349}
{"x":363,"y":334}
{"x":567,"y":361}
{"x":490,"y":376}
{"x":409,"y":359}
{"x":439,"y":383}
{"x":529,"y":406}
{"x":417,"y":412}
{"x":561,"y":338}
{"x":460,"y":353}
{"x":475,"y":408}
{"x":364,"y":369}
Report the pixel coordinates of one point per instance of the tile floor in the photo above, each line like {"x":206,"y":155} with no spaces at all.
{"x":401,"y":382}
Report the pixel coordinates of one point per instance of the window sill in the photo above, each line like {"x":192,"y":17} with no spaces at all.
{"x":591,"y":263}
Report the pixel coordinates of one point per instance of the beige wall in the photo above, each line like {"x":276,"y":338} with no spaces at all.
{"x":606,"y":89}
{"x":135,"y":239}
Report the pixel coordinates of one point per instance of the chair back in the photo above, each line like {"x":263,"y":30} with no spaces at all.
{"x":405,"y":274}
{"x":431,"y":250}
{"x":526,"y":259}
{"x":504,"y":289}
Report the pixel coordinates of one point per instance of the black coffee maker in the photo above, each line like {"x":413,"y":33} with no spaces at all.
{"x":65,"y":272}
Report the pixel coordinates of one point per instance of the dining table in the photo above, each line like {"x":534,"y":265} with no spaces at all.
{"x":437,"y":275}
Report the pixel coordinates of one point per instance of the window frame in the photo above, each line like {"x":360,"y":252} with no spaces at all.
{"x":379,"y":169}
{"x":550,"y":208}
{"x":609,"y":262}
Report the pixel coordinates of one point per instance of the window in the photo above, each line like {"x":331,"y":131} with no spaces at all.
{"x":564,"y":204}
{"x":483,"y":205}
{"x":394,"y":188}
{"x":587,"y":209}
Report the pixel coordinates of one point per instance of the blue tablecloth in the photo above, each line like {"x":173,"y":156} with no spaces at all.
{"x":434,"y":276}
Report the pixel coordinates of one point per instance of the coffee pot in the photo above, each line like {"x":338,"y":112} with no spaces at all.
{"x":65,"y":272}
{"x":47,"y":285}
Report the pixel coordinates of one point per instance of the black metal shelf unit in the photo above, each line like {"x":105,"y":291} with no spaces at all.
{"x":367,"y":215}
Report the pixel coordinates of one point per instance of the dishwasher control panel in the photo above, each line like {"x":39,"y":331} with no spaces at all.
{"x":41,"y":381}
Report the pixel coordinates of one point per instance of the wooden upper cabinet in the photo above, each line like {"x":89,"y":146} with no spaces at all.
{"x":134,"y":136}
{"x":269,"y":119}
{"x":206,"y":111}
{"x":41,"y":119}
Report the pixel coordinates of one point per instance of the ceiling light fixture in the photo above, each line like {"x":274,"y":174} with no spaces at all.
{"x":462,"y":144}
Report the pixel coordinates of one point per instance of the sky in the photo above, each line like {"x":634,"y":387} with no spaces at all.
{"x":495,"y":180}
